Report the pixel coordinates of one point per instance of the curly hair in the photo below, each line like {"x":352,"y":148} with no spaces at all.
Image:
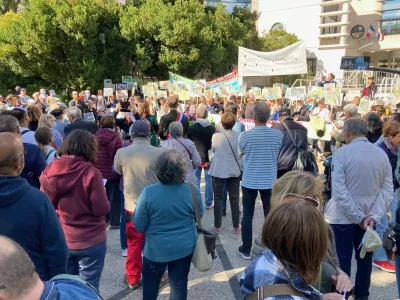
{"x":391,"y":128}
{"x":80,"y":143}
{"x":171,"y":167}
{"x":34,"y":113}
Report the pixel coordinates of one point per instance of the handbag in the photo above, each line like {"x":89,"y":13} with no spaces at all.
{"x":204,"y":251}
{"x":154,"y":139}
{"x":240,"y":169}
{"x":305,"y":159}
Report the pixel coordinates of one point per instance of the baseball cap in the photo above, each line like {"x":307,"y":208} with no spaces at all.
{"x":284,"y":112}
{"x":23,"y":89}
{"x":140,"y":128}
{"x":370,"y":242}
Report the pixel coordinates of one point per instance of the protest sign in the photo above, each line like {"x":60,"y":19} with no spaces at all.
{"x":120,"y":86}
{"x":89,"y":116}
{"x":329,"y":87}
{"x":107,"y":82}
{"x":196,"y":92}
{"x":350,"y":94}
{"x":164,"y":84}
{"x":256,"y":91}
{"x":317,"y":123}
{"x":298,"y":93}
{"x":242,"y":89}
{"x":288,"y":93}
{"x":173,"y":88}
{"x":184,"y":95}
{"x":108,"y":92}
{"x":161,"y":93}
{"x":264,"y":94}
{"x":275,"y":92}
{"x":209,"y":93}
{"x":131,"y":86}
{"x":110,"y":86}
{"x":224,"y":89}
{"x":138,"y":80}
{"x":278,"y":85}
{"x":126,"y":79}
{"x":122,"y":94}
{"x":147,"y":91}
{"x":334,"y":97}
{"x":364,"y":106}
{"x":201,"y":83}
{"x":233,"y":93}
{"x":316,"y":92}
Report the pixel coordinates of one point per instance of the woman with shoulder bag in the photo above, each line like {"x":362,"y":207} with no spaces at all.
{"x":187,"y":147}
{"x":165,"y":214}
{"x":226,"y":167}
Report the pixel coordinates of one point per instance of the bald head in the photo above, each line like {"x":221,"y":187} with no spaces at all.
{"x":17,"y":272}
{"x":262,"y":111}
{"x":11,"y":154}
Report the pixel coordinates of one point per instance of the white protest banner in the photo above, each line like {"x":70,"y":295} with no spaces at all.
{"x":286,"y":61}
{"x":364,"y":106}
{"x":108,"y":92}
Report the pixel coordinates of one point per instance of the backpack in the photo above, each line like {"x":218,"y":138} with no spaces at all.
{"x":305,"y":159}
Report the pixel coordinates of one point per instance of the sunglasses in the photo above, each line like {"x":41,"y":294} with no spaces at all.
{"x":314,"y":202}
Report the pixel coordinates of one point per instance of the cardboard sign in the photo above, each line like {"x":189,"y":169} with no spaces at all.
{"x":364,"y":106}
{"x":126,"y":79}
{"x":107,"y":92}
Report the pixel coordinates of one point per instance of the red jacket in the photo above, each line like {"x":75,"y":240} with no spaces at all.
{"x":75,"y":188}
{"x":109,"y":143}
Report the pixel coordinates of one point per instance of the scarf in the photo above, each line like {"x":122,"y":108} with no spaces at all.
{"x":391,"y":148}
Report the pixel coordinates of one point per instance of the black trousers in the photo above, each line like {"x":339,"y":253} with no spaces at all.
{"x":114,"y":196}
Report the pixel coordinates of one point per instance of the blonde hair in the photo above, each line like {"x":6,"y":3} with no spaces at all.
{"x":51,"y":101}
{"x":297,"y":235}
{"x":46,"y":120}
{"x":297,"y":182}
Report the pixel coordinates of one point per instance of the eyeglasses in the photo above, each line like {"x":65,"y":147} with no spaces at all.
{"x":314,"y":202}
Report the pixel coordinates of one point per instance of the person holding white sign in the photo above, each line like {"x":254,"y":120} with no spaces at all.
{"x":321,"y":111}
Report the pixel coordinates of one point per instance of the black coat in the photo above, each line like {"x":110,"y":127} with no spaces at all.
{"x":81,"y":124}
{"x":288,"y":153}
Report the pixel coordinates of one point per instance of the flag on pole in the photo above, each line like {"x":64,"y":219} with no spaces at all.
{"x":368,"y":34}
{"x":378,"y":33}
{"x":371,"y":28}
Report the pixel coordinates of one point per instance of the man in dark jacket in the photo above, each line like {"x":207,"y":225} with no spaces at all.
{"x":35,"y":161}
{"x":172,"y":116}
{"x":27,"y":215}
{"x":289,"y":151}
{"x":74,"y":116}
{"x":201,"y":134}
{"x":300,"y":111}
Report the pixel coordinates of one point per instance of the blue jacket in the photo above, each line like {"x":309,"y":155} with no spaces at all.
{"x":165,"y":214}
{"x":393,"y":158}
{"x":28,"y":217}
{"x":35,"y":163}
{"x":67,"y":290}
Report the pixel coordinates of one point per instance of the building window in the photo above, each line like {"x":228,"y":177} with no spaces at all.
{"x":312,"y":66}
{"x":357,"y":32}
{"x":278,"y":26}
{"x":391,"y":17}
{"x":330,"y":19}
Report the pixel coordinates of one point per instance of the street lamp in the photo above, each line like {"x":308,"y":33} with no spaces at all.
{"x":102,"y":37}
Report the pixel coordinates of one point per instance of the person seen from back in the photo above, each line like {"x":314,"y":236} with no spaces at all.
{"x":26,"y":214}
{"x":75,"y":188}
{"x":34,"y":113}
{"x":48,"y":120}
{"x":44,"y":138}
{"x":374,"y":127}
{"x":74,"y":115}
{"x":172,"y":116}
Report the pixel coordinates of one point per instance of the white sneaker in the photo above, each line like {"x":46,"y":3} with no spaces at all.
{"x":211,"y":206}
{"x":124,"y":252}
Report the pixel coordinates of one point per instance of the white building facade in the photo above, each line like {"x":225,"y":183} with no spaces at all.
{"x":335,"y":28}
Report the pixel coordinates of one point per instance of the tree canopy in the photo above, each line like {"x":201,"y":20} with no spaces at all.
{"x":59,"y":43}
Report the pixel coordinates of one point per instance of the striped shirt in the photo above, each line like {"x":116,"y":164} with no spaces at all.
{"x":260,"y":148}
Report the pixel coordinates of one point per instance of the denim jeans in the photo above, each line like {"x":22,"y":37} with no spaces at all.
{"x":178,"y":271}
{"x":382,"y":227}
{"x":349,"y":237}
{"x":249,"y":203}
{"x":398,"y":274}
{"x":122,"y":228}
{"x":233,"y":185}
{"x":209,"y":192}
{"x":88,"y":263}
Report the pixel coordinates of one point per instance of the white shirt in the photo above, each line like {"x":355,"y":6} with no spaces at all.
{"x":27,"y":136}
{"x":322,"y":113}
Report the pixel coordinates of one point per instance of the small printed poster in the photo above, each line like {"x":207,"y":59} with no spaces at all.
{"x":298,"y":93}
{"x":108,"y":92}
{"x":209,"y":93}
{"x":184,"y":95}
{"x":316,"y":92}
{"x":242,"y":89}
{"x":264,"y":94}
{"x":122,"y":94}
{"x":110,"y":86}
{"x":334,"y":97}
{"x":147,"y":91}
{"x":364,"y":106}
{"x":107,"y":82}
{"x":161,"y":93}
{"x":329,"y":87}
{"x":131,"y":86}
{"x":164,"y":84}
{"x":173,"y":88}
{"x":120,"y":86}
{"x":288,"y":93}
{"x":126,"y":79}
{"x":256,"y":91}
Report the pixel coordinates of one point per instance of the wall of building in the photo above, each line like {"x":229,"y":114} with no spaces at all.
{"x":301,"y":18}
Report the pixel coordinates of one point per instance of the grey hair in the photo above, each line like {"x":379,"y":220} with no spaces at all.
{"x":352,"y":109}
{"x":356,"y":127}
{"x":202,"y":113}
{"x":175,"y":129}
{"x":74,"y":113}
{"x":171,"y":167}
{"x":8,"y":124}
{"x":262,"y":111}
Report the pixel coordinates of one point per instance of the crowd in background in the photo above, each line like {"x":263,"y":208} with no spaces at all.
{"x":69,"y":172}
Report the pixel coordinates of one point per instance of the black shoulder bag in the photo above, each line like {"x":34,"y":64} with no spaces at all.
{"x":233,"y":153}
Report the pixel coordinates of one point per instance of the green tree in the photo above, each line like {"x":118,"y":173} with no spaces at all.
{"x":10,"y":5}
{"x":277,"y":39}
{"x":59,"y":41}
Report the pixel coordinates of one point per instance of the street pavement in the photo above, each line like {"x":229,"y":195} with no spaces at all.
{"x":222,"y":282}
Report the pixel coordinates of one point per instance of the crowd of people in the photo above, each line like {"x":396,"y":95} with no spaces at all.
{"x":70,"y":172}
